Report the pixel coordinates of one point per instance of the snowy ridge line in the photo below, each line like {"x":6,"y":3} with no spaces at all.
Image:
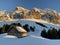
{"x":34,"y":20}
{"x":40,"y":21}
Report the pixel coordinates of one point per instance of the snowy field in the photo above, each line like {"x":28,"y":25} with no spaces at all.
{"x":33,"y":38}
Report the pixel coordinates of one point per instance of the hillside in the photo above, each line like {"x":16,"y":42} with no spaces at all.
{"x":33,"y":38}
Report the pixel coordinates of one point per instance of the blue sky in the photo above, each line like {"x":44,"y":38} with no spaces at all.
{"x":10,"y":5}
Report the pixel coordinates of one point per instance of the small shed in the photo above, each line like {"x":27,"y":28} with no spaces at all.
{"x":17,"y":31}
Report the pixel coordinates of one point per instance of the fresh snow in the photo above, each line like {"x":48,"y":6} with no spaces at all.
{"x":29,"y":40}
{"x":10,"y":36}
{"x":37,"y":37}
{"x":33,"y":38}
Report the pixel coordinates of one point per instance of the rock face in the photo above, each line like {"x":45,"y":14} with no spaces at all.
{"x":19,"y":13}
{"x":35,"y":13}
{"x":4,"y":16}
{"x":49,"y":15}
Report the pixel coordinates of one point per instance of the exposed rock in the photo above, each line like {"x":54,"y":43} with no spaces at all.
{"x":47,"y":14}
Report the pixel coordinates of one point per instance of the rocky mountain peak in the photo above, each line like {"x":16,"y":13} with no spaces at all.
{"x":36,"y":9}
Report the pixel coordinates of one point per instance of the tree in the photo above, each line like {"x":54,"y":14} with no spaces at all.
{"x":32,"y":28}
{"x":1,"y":30}
{"x":7,"y":27}
{"x":26,"y":27}
{"x":54,"y":33}
{"x":13,"y":24}
{"x":19,"y":24}
{"x":43,"y":33}
{"x":16,"y":24}
{"x":58,"y":34}
{"x":51,"y":33}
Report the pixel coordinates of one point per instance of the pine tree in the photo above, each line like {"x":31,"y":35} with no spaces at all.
{"x":32,"y":28}
{"x":26,"y":27}
{"x":43,"y":33}
{"x":3,"y":30}
{"x":58,"y":34}
{"x":54,"y":33}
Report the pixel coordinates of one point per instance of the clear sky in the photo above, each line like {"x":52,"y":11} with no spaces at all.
{"x":10,"y":5}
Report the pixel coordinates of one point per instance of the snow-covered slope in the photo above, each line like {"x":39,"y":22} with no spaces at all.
{"x":31,"y":22}
{"x":33,"y":38}
{"x":30,"y":40}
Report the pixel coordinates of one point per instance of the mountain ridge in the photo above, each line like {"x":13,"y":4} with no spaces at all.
{"x":47,"y":14}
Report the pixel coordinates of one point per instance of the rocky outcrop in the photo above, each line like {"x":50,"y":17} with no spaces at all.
{"x":49,"y":15}
{"x":4,"y":16}
{"x":19,"y":13}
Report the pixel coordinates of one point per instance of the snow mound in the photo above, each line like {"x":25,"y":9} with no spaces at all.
{"x":10,"y":36}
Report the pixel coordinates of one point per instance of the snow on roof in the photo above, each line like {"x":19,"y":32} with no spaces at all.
{"x":20,"y":29}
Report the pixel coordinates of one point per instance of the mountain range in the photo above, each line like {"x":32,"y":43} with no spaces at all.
{"x":49,"y":15}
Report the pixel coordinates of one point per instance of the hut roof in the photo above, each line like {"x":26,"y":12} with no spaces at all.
{"x":20,"y":29}
{"x":17,"y":28}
